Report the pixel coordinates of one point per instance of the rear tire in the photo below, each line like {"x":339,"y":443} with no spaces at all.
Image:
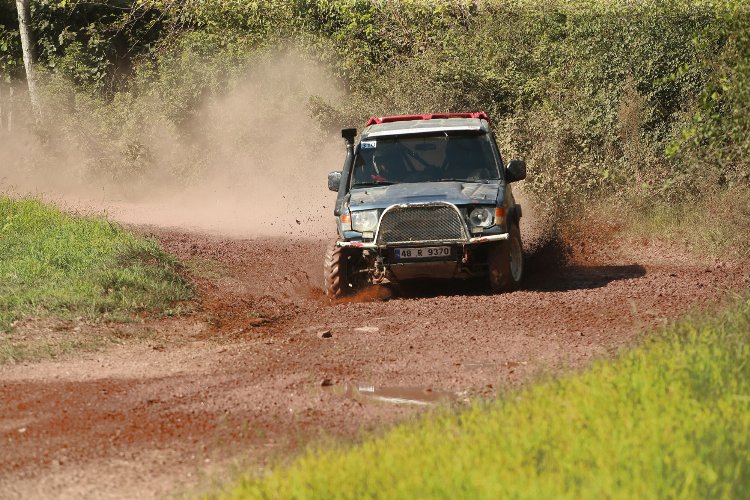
{"x":505,"y":260}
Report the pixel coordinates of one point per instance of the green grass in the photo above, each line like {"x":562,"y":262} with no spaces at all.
{"x":55,"y":264}
{"x":718,"y":225}
{"x":668,"y":419}
{"x":36,"y":345}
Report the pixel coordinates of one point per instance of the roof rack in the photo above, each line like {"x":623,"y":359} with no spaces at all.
{"x":388,"y":119}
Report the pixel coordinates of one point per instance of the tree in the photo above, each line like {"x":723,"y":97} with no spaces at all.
{"x":28,"y":47}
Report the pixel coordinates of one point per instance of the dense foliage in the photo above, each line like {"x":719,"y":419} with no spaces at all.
{"x":647,"y":100}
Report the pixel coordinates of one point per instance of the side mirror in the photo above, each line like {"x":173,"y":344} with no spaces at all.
{"x":515,"y":171}
{"x":334,"y":179}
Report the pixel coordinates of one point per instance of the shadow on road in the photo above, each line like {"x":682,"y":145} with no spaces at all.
{"x":566,"y":278}
{"x":547,"y":269}
{"x":580,"y":277}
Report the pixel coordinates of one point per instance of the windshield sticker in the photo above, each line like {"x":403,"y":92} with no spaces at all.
{"x":368,"y":144}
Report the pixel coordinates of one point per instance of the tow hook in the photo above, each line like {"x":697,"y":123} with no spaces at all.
{"x":378,"y":272}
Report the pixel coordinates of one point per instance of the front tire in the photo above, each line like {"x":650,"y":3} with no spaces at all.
{"x":345,"y":271}
{"x":505,"y":261}
{"x":335,"y":272}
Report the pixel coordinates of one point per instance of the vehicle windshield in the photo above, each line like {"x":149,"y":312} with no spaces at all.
{"x":433,"y":158}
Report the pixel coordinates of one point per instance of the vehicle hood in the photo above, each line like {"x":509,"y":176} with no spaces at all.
{"x":458,"y":193}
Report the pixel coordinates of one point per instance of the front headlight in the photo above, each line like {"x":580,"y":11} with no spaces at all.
{"x":481,"y":217}
{"x":366,"y":220}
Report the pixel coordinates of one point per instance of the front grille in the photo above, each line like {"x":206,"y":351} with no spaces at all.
{"x":421,"y":223}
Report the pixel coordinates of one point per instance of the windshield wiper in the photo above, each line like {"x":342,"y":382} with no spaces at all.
{"x":477,"y":181}
{"x":372,"y":184}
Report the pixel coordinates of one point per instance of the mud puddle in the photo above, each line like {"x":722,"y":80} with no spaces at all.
{"x":478,"y":365}
{"x":421,"y":396}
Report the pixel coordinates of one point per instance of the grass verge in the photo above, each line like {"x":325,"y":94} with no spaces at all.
{"x":668,"y":419}
{"x":55,"y":264}
{"x":717,"y":225}
{"x":720,"y":229}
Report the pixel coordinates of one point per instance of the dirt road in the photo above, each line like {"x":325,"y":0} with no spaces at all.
{"x":265,"y":365}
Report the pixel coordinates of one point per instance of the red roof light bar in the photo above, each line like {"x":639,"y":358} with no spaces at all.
{"x":402,"y":118}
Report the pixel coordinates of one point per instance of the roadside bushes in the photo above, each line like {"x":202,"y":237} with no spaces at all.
{"x":714,"y":143}
{"x":642,"y":101}
{"x":593,"y":95}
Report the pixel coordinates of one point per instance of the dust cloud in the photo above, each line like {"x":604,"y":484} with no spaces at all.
{"x":532,"y":225}
{"x":252,"y":162}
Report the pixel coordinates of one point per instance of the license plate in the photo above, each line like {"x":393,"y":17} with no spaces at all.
{"x":422,"y":253}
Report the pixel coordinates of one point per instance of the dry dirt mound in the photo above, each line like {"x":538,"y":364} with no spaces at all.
{"x":265,"y":364}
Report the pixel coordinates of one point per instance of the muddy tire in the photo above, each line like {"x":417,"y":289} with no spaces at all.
{"x":505,"y":260}
{"x":335,"y":272}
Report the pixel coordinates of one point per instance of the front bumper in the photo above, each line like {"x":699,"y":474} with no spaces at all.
{"x":471,"y":241}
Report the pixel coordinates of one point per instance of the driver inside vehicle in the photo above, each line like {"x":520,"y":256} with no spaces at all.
{"x":381,"y":167}
{"x":388,"y":167}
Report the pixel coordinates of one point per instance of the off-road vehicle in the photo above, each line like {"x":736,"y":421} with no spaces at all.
{"x":424,"y":196}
